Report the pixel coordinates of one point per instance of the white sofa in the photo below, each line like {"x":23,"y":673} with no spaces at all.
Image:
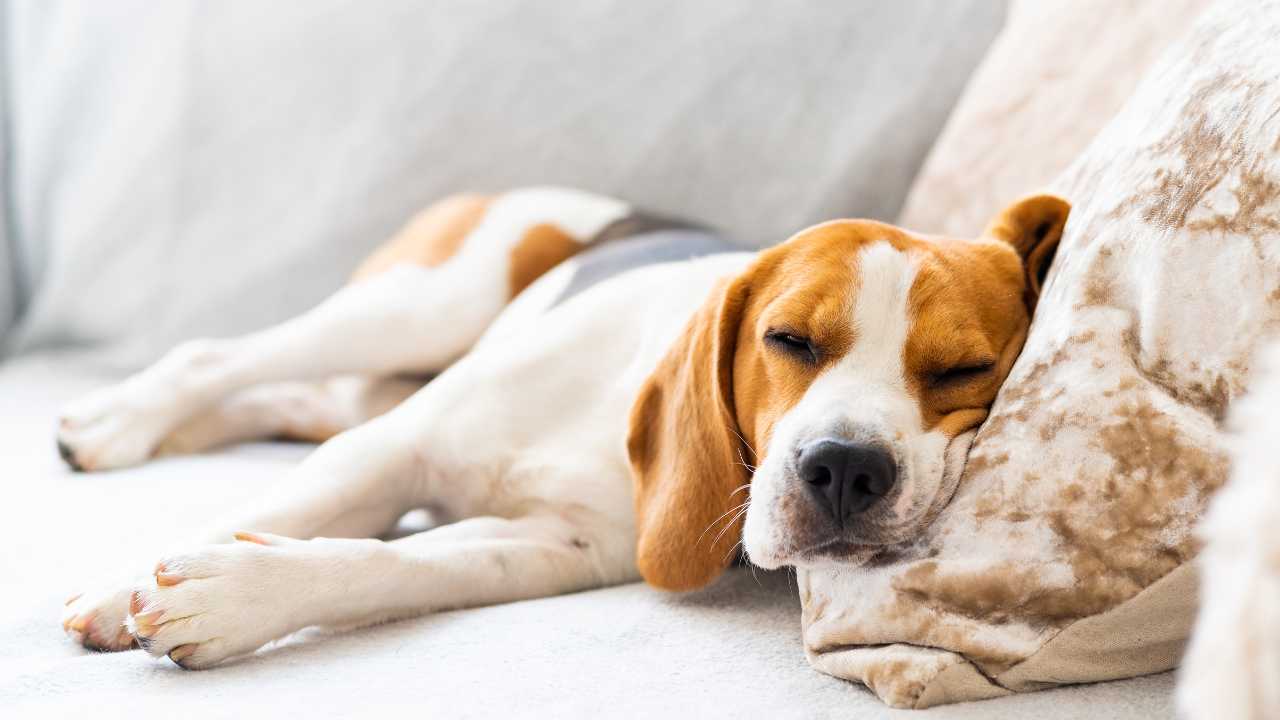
{"x":194,"y":168}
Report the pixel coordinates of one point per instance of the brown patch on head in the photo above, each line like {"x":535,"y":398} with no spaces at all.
{"x":430,"y":238}
{"x":543,"y":247}
{"x":970,"y":309}
{"x":805,"y":289}
{"x":967,"y":327}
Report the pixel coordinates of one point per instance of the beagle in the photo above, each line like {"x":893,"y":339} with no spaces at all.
{"x":596,"y":416}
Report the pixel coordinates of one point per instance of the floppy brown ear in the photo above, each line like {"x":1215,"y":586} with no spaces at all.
{"x":686,"y":455}
{"x":1033,"y":226}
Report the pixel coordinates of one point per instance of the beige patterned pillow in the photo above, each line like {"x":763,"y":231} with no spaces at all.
{"x":1063,"y":555}
{"x":1053,"y":78}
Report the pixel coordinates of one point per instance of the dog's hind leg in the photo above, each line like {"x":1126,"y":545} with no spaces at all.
{"x":414,"y":307}
{"x":300,"y":411}
{"x":407,"y":319}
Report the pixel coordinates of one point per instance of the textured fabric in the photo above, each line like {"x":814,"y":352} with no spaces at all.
{"x":12,"y":291}
{"x":1057,"y":73}
{"x":1083,"y":488}
{"x":192,"y":168}
{"x":731,"y":651}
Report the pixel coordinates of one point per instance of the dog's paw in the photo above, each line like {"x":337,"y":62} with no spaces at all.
{"x":96,"y":620}
{"x":219,"y":602}
{"x":112,"y":428}
{"x":123,"y":424}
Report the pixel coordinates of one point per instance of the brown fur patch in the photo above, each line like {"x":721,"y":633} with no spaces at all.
{"x":964,"y":311}
{"x":543,"y":247}
{"x":805,"y":288}
{"x":430,"y":238}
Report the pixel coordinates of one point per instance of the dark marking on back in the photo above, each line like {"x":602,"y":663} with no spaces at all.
{"x":653,"y":244}
{"x":641,"y":222}
{"x":602,"y":263}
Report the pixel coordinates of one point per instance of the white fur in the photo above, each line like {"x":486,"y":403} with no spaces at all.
{"x":523,"y":440}
{"x":1232,"y":667}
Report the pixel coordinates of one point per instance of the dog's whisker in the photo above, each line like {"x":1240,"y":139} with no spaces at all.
{"x":739,"y":489}
{"x":729,"y":524}
{"x":733,"y":548}
{"x":752,"y":450}
{"x":722,"y":516}
{"x":744,"y":463}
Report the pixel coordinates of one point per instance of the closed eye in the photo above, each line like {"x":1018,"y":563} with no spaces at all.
{"x":961,"y":374}
{"x":797,"y":346}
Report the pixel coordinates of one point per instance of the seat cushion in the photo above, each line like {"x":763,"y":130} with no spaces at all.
{"x":629,"y":651}
{"x":1036,"y":102}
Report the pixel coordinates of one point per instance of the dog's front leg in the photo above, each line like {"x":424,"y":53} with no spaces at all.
{"x":356,"y":485}
{"x":226,"y":600}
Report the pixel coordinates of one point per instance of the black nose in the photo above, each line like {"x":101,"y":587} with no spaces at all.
{"x":846,"y":477}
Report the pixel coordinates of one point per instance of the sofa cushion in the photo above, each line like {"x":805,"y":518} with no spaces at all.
{"x":1059,"y":70}
{"x":197,"y":168}
{"x":1063,"y":556}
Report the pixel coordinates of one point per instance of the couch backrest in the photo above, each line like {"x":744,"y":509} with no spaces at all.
{"x":188,"y":167}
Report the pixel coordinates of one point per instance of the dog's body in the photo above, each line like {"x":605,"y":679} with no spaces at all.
{"x":592,"y":421}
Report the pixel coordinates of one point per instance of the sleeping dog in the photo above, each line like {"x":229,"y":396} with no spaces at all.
{"x":615,"y":396}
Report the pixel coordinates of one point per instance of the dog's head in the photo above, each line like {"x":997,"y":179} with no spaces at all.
{"x":836,"y":383}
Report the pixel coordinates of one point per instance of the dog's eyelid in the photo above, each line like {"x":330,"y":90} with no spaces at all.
{"x":962,"y":371}
{"x":786,"y":334}
{"x":793,"y":343}
{"x":976,"y":364}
